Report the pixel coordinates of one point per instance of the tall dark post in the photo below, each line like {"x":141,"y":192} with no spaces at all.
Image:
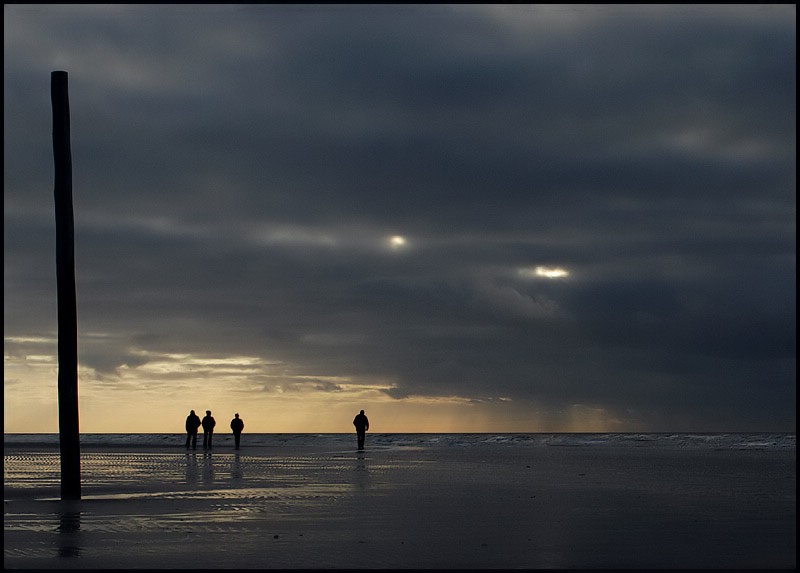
{"x":68,"y":432}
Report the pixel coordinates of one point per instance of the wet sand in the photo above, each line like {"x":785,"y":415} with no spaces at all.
{"x":477,"y":507}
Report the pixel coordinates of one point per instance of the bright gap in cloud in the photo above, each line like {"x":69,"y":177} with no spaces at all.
{"x":397,"y":242}
{"x":544,"y":272}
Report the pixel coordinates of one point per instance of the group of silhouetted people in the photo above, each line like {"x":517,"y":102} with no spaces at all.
{"x":193,"y":424}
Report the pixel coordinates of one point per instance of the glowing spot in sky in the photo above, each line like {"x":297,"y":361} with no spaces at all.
{"x":551,"y":273}
{"x":544,"y":272}
{"x":397,"y":242}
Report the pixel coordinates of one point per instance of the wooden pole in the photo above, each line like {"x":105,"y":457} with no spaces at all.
{"x":68,"y":431}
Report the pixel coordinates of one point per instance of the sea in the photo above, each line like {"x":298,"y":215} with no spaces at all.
{"x":679,"y":440}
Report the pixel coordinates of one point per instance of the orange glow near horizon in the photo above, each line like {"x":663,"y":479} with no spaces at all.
{"x":129,"y":412}
{"x":157,"y":397}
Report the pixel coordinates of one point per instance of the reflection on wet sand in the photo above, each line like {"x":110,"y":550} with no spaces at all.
{"x":361,"y":479}
{"x":237,"y":470}
{"x":191,"y":469}
{"x":69,"y":528}
{"x":208,"y":470}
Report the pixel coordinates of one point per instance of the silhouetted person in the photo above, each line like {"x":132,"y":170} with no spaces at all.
{"x":362,"y":425}
{"x":237,"y":425}
{"x":208,"y":430}
{"x":192,"y":424}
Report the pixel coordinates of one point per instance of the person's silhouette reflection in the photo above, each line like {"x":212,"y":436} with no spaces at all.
{"x":237,"y":472}
{"x":191,"y":469}
{"x":361,"y":471}
{"x":208,"y":470}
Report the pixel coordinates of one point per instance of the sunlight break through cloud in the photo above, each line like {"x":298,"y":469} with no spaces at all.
{"x":544,"y":272}
{"x":397,"y":242}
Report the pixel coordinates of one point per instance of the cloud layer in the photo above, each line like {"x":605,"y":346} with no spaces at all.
{"x":335,"y":200}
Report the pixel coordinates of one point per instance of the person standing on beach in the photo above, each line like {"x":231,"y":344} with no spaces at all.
{"x":362,"y":425}
{"x":237,"y":425}
{"x":208,"y":430}
{"x":192,"y":424}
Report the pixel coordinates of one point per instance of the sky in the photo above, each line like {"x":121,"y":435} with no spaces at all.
{"x":459,"y":218}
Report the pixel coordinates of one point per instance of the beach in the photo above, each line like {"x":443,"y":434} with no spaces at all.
{"x":417,"y":502}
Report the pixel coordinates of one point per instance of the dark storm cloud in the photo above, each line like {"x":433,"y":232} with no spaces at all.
{"x":237,"y":171}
